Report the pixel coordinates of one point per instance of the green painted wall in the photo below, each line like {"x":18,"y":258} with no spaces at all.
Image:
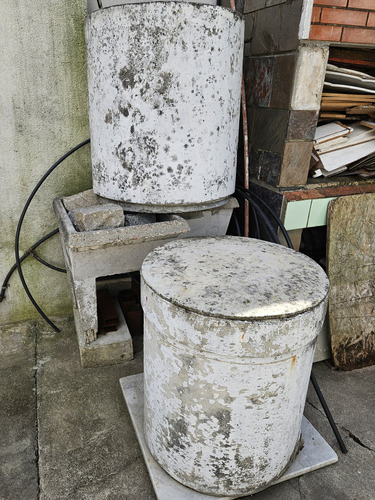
{"x":43,"y":114}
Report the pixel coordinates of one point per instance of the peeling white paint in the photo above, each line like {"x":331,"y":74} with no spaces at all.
{"x":225,"y":392}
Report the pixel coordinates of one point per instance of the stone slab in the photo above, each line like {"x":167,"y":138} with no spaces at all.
{"x":315,"y":454}
{"x":81,"y":200}
{"x":351,"y":271}
{"x":97,"y":217}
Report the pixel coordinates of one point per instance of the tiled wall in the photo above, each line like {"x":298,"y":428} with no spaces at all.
{"x":283,"y":84}
{"x":283,"y":100}
{"x":284,"y":75}
{"x":346,"y":21}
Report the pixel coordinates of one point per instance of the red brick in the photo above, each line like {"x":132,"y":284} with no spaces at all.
{"x":358,"y":35}
{"x":316,"y":15}
{"x":329,"y":33}
{"x":334,"y":3}
{"x":362,"y":4}
{"x":371,"y":20}
{"x":344,"y":16}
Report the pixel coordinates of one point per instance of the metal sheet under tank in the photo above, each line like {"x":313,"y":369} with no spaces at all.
{"x":164,"y":84}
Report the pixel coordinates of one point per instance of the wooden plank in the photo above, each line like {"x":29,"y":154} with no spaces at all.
{"x":336,"y":106}
{"x":361,"y":110}
{"x":351,"y":271}
{"x":333,"y":116}
{"x":350,"y":97}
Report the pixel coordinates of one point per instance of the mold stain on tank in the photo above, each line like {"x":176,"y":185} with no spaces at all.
{"x":100,"y":174}
{"x":126,"y":156}
{"x":127,"y":78}
{"x":124,"y":111}
{"x":108,"y":117}
{"x":177,"y":433}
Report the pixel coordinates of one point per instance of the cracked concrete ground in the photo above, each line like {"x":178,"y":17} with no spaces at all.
{"x":66,"y":434}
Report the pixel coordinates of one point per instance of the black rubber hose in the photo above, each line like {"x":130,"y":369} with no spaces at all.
{"x":256,"y":222}
{"x":276,"y":218}
{"x":328,"y":413}
{"x":17,"y":238}
{"x":236,"y":223}
{"x":267,"y":225}
{"x":47,"y":264}
{"x":26,"y":254}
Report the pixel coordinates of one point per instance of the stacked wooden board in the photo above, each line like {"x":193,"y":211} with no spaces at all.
{"x":346,"y":146}
{"x":337,"y":106}
{"x":341,"y":148}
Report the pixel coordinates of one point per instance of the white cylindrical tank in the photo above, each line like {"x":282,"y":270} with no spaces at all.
{"x":230,"y":330}
{"x":164,"y":84}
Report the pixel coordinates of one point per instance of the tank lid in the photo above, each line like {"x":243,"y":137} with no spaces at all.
{"x":235,"y":278}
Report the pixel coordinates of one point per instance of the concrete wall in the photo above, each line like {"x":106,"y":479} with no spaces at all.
{"x":43,"y":113}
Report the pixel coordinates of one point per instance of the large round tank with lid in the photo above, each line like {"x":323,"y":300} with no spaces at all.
{"x":164,"y":82}
{"x":230,"y":329}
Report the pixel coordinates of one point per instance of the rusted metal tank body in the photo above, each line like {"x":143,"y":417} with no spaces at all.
{"x":164,"y":83}
{"x":230,"y":330}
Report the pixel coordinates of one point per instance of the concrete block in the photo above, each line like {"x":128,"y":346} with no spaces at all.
{"x":309,"y":76}
{"x":97,"y":217}
{"x":81,"y":200}
{"x":109,"y":349}
{"x":139,"y":219}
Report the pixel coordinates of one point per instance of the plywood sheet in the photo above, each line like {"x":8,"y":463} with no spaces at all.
{"x":351,"y":271}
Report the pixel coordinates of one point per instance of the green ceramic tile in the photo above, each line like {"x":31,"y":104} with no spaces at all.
{"x":297,"y":214}
{"x":318,"y":212}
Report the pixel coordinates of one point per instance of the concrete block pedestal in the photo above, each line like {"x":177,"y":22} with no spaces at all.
{"x":90,"y":255}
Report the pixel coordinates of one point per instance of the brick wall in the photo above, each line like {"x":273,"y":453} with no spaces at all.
{"x":347,"y":21}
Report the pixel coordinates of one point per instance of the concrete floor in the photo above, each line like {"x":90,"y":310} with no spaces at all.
{"x":66,"y":433}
